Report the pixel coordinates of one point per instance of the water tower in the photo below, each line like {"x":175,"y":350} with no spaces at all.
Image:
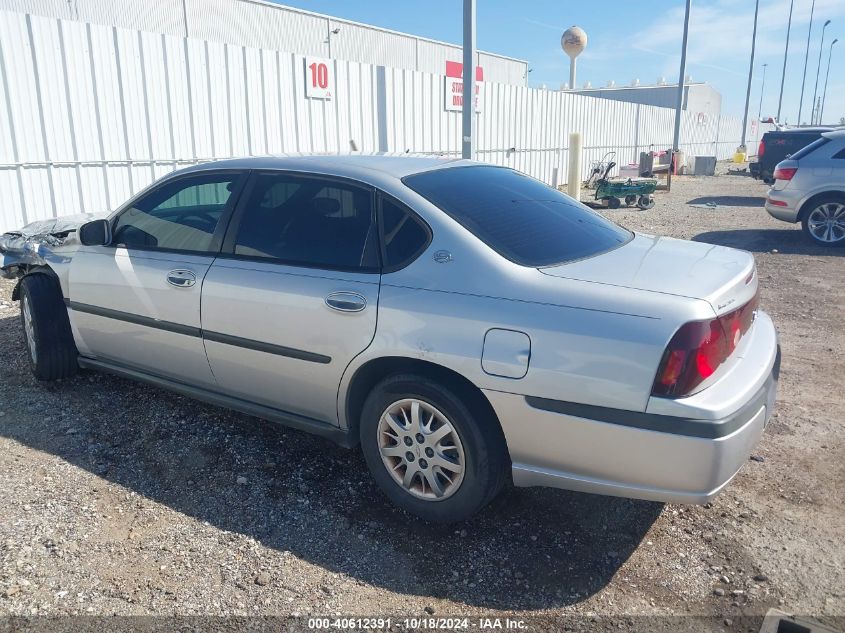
{"x":573,"y":42}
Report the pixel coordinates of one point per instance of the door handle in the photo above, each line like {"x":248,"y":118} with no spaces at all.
{"x":181,"y":278}
{"x":346,"y":301}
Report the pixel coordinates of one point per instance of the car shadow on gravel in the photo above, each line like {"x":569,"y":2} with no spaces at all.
{"x":788,"y":241}
{"x":530,"y":549}
{"x":730,"y":201}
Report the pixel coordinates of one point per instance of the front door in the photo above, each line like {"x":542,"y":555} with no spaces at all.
{"x":293,"y":297}
{"x":136,"y":302}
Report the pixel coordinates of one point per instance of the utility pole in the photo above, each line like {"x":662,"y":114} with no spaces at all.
{"x":680,"y":101}
{"x":468,"y":108}
{"x":806,"y":57}
{"x":827,"y":74}
{"x":750,"y":75}
{"x":785,"y":55}
{"x":819,"y":67}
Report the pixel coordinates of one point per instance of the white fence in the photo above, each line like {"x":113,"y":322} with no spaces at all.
{"x":89,"y":114}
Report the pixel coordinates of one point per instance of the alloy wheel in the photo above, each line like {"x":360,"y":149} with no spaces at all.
{"x":826,"y":222}
{"x":29,"y":329}
{"x":421,"y":449}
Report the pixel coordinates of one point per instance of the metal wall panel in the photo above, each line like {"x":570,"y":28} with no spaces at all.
{"x":90,"y":114}
{"x":267,"y":25}
{"x":259,"y":25}
{"x":375,"y":46}
{"x":164,"y":16}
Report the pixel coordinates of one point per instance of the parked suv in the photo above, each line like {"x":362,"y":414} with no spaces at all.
{"x":779,"y":144}
{"x":463,"y":323}
{"x":809,"y":187}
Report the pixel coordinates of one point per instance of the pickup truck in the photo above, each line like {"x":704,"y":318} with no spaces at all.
{"x":779,"y":144}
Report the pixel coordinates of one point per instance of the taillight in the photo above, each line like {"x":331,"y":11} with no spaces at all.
{"x":785,"y":173}
{"x":698,"y":349}
{"x":761,"y":149}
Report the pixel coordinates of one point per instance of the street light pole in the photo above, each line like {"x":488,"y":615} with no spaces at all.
{"x":762,"y":90}
{"x":806,"y":57}
{"x":750,"y":74}
{"x":819,"y":67}
{"x":468,"y":107}
{"x":785,"y":55}
{"x":827,"y":74}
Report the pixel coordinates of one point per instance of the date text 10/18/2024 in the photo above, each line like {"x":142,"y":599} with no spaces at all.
{"x":415,"y":623}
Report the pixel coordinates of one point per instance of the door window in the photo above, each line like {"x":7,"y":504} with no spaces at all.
{"x":305,"y":221}
{"x":183,"y":214}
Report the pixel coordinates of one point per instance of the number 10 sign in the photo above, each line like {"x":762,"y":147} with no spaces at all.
{"x":318,"y":78}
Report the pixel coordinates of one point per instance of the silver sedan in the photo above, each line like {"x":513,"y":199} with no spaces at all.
{"x":462,"y":323}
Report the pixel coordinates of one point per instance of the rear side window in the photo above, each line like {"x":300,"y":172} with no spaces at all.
{"x":520,"y":218}
{"x":840,"y":154}
{"x":179,"y":215}
{"x":404,"y":236}
{"x":311,"y":222}
{"x":809,"y":149}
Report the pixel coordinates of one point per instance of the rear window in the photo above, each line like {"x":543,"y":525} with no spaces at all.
{"x":520,"y":218}
{"x":809,"y":149}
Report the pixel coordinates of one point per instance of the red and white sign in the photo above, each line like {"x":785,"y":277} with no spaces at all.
{"x":319,"y":79}
{"x":454,"y":95}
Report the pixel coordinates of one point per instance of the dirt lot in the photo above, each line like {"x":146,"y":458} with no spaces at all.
{"x":118,"y":498}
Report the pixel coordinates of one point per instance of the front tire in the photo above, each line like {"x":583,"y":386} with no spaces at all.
{"x":50,"y":348}
{"x":428,"y":452}
{"x":824,"y":221}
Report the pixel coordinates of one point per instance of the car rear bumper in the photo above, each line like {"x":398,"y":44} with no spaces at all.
{"x":783,"y":205}
{"x":687,"y":456}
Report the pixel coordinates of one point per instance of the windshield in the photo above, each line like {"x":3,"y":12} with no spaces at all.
{"x":520,"y":218}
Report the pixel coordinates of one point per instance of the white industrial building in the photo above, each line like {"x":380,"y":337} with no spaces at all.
{"x":699,"y":98}
{"x":258,"y":24}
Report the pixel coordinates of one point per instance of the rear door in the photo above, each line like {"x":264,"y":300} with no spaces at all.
{"x":136,"y":302}
{"x":293,"y":297}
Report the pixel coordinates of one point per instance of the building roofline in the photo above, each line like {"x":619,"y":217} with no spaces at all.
{"x":325,"y":16}
{"x":640,"y":87}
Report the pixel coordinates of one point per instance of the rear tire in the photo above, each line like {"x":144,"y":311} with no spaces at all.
{"x":613,"y":203}
{"x":50,"y":348}
{"x":394,"y":444}
{"x":630,"y":200}
{"x":824,"y":220}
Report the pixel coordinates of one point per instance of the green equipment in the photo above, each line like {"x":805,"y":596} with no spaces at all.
{"x":612,"y":191}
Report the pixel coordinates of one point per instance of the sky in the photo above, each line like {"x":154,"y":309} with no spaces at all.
{"x":640,"y":39}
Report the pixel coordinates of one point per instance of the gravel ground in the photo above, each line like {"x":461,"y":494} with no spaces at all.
{"x":119,"y":498}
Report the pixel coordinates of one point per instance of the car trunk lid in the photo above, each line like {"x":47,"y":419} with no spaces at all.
{"x":724,"y":277}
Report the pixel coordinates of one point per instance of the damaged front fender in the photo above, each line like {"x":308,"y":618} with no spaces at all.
{"x":35,"y":244}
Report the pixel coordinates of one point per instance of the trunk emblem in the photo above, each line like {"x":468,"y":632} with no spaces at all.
{"x":442,"y":257}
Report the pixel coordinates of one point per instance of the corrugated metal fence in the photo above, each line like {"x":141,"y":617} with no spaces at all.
{"x":89,"y":114}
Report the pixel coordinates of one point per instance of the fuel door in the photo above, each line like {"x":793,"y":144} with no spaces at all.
{"x":506,"y":353}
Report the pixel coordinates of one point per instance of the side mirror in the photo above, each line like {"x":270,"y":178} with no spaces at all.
{"x":95,"y":233}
